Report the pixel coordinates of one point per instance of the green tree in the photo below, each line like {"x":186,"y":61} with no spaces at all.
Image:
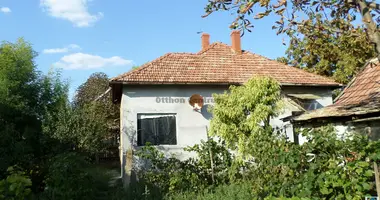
{"x":95,"y":86}
{"x":96,"y":91}
{"x":328,"y":166}
{"x":84,"y":127}
{"x":242,"y":115}
{"x":92,"y":119}
{"x":29,"y":101}
{"x":336,"y":55}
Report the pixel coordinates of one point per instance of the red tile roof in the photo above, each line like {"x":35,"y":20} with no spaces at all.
{"x":361,"y":96}
{"x":217,"y":64}
{"x":364,"y":88}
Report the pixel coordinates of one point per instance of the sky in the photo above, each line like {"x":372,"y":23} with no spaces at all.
{"x":80,"y":37}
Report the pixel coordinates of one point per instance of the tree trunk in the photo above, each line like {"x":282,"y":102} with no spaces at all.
{"x":372,"y":32}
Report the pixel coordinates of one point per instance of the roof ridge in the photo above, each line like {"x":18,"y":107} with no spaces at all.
{"x":218,"y":63}
{"x":211,"y":46}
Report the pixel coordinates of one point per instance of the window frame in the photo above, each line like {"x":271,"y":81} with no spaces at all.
{"x":138,"y":117}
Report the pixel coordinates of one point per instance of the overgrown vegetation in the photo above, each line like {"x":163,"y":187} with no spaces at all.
{"x":213,"y":165}
{"x":47,"y":145}
{"x":45,"y":141}
{"x":267,"y":165}
{"x":326,"y":167}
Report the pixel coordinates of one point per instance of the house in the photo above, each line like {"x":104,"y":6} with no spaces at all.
{"x":357,"y":108}
{"x":155,"y":97}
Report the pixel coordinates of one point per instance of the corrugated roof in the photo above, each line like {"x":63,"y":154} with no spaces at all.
{"x":218,"y":64}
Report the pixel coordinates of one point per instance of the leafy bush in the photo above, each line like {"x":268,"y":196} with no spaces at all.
{"x":238,"y":191}
{"x":16,"y":185}
{"x":168,"y":175}
{"x":328,"y":166}
{"x":68,"y":178}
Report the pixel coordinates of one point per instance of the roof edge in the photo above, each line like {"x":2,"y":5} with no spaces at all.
{"x":172,"y":83}
{"x":216,"y":83}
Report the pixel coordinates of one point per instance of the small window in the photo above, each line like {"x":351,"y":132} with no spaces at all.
{"x":157,"y":129}
{"x":306,"y":101}
{"x":309,"y":104}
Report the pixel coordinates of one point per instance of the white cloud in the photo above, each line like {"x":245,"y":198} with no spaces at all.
{"x":76,"y":11}
{"x":5,"y":10}
{"x":62,"y":50}
{"x":88,"y":61}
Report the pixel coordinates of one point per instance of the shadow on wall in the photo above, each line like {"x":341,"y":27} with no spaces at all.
{"x":205,"y":112}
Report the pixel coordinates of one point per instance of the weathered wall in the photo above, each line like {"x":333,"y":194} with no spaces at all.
{"x":191,"y":125}
{"x":325,"y":100}
{"x":370,"y":128}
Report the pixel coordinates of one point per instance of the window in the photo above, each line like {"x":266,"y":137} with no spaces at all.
{"x":306,"y":101}
{"x":157,"y":129}
{"x":310,"y":104}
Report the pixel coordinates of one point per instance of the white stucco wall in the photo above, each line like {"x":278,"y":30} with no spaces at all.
{"x":370,"y":128}
{"x":191,"y":125}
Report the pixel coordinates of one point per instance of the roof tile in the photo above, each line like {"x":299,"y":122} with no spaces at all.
{"x":217,"y":64}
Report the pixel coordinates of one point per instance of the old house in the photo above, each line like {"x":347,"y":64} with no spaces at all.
{"x":160,"y":100}
{"x":357,"y":108}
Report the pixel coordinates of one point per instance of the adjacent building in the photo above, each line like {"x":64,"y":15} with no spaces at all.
{"x":357,"y":108}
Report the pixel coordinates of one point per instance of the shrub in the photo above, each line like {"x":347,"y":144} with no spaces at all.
{"x":16,"y":185}
{"x":168,"y":175}
{"x":238,"y":191}
{"x":68,"y":178}
{"x":328,"y":166}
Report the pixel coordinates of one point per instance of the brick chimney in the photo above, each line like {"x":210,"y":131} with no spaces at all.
{"x":236,"y":42}
{"x":205,"y":40}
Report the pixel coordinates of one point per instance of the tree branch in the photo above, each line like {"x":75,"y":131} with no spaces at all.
{"x":249,"y":6}
{"x":367,"y":18}
{"x":207,"y":14}
{"x":373,"y":5}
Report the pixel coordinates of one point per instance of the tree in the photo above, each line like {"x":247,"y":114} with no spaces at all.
{"x":92,"y":119}
{"x":96,"y":91}
{"x":95,"y":85}
{"x":243,"y":114}
{"x":29,"y":101}
{"x":328,"y":166}
{"x":337,"y":55}
{"x":85,"y":127}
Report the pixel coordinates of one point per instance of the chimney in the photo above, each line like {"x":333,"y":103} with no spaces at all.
{"x":205,"y":40}
{"x":236,"y":43}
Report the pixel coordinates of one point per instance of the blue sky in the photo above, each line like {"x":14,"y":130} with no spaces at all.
{"x":87,"y":36}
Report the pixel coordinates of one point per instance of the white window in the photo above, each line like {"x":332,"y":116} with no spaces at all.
{"x":157,"y":129}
